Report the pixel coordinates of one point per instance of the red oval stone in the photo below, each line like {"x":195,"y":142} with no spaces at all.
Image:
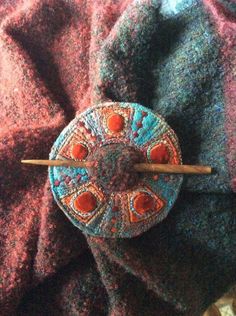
{"x":143,"y":202}
{"x":160,"y":154}
{"x":115,"y":122}
{"x":79,"y":151}
{"x":85,"y":202}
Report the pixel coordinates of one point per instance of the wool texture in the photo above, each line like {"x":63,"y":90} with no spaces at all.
{"x":114,"y":167}
{"x":58,"y":58}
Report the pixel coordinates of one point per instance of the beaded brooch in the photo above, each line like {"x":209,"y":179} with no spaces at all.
{"x":112,"y":199}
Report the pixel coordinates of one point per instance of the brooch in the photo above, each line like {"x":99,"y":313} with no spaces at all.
{"x":116,"y":170}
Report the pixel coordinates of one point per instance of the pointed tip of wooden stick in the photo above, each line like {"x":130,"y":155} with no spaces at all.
{"x":33,"y":162}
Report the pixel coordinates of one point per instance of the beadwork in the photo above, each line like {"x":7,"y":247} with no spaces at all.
{"x":111,"y":199}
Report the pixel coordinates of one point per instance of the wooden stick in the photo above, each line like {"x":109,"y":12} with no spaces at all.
{"x":168,"y":168}
{"x":59,"y":163}
{"x":140,"y":167}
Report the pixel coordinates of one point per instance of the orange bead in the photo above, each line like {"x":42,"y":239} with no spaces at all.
{"x":155,"y":177}
{"x":115,"y":122}
{"x":160,"y":154}
{"x":143,"y":202}
{"x":113,"y":229}
{"x":79,"y":151}
{"x":85,"y":202}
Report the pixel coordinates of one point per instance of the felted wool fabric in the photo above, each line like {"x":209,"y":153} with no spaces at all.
{"x":59,"y":57}
{"x":111,"y":199}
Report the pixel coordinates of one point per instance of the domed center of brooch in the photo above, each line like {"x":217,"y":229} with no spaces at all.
{"x":114,"y":167}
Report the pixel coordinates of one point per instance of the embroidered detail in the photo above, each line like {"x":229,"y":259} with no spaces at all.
{"x":115,"y":122}
{"x":155,"y":177}
{"x":160,"y":154}
{"x":143,"y":203}
{"x":113,"y":200}
{"x":79,"y":151}
{"x":85,"y":202}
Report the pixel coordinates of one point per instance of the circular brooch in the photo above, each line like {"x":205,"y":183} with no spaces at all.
{"x":112,"y":199}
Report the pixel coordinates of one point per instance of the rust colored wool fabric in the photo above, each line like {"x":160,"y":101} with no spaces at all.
{"x":59,"y":57}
